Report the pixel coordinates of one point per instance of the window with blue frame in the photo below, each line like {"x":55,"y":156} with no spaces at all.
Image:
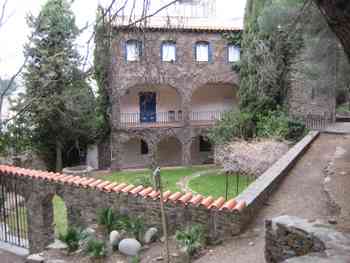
{"x":234,"y":53}
{"x":168,"y":51}
{"x":202,"y":51}
{"x":133,"y":50}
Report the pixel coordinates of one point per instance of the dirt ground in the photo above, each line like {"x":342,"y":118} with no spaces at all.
{"x":325,"y":166}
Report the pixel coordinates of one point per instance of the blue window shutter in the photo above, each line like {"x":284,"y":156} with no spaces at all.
{"x":194,"y":51}
{"x":140,"y":46}
{"x":124,"y":44}
{"x":210,"y":53}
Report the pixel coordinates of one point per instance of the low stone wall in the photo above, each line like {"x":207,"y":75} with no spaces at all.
{"x":260,"y":190}
{"x":85,"y":196}
{"x":294,"y":240}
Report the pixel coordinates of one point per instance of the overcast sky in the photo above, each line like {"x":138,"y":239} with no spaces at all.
{"x":14,"y":33}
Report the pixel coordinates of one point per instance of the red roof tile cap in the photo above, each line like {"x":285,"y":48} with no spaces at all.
{"x":128,"y":188}
{"x":175,"y":196}
{"x":240,"y":206}
{"x":229,"y":205}
{"x":207,"y":201}
{"x":186,"y":197}
{"x":217,"y":203}
{"x":137,"y":189}
{"x":196,"y":200}
{"x":146,"y":191}
{"x":119,"y":187}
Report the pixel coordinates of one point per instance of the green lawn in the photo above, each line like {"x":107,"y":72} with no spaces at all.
{"x":170,"y":176}
{"x":214,"y":184}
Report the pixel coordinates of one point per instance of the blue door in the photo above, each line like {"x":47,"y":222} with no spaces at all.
{"x":148,"y":107}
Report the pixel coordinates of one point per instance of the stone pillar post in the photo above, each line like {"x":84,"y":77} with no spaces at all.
{"x":186,"y":152}
{"x":41,"y":231}
{"x":153,"y":154}
{"x":116,"y":151}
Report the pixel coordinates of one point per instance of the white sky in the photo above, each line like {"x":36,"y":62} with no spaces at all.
{"x":14,"y":33}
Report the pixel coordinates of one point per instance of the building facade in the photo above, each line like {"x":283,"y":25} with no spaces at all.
{"x":168,"y":87}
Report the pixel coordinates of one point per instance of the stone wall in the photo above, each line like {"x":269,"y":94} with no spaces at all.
{"x":294,"y":240}
{"x":83,"y":198}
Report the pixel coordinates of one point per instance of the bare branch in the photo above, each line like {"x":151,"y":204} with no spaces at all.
{"x":2,"y":13}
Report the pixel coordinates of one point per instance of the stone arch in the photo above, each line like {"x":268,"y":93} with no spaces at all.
{"x":137,"y":152}
{"x":169,"y":151}
{"x":209,"y":100}
{"x":202,"y":150}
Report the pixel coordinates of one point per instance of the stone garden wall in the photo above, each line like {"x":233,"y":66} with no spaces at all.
{"x":85,"y":196}
{"x":294,"y":240}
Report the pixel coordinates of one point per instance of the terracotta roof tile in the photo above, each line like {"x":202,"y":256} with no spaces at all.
{"x":217,"y":203}
{"x":119,"y":187}
{"x":154,"y":194}
{"x":65,"y":179}
{"x":196,"y":200}
{"x":185,"y":198}
{"x":103,"y":184}
{"x":93,"y":184}
{"x":207,"y":201}
{"x":239,"y":206}
{"x":146,"y":191}
{"x":175,"y":196}
{"x":229,"y":205}
{"x":166,"y":195}
{"x":80,"y":181}
{"x":137,"y":189}
{"x":87,"y":182}
{"x":128,"y":188}
{"x":73,"y":179}
{"x":109,"y":187}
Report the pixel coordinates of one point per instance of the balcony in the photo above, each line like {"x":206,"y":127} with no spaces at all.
{"x":170,"y":119}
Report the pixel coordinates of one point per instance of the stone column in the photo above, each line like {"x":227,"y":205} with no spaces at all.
{"x":153,"y":154}
{"x":186,"y":152}
{"x":116,"y":151}
{"x":41,"y":232}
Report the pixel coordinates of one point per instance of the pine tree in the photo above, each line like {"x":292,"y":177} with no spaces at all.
{"x":61,"y":105}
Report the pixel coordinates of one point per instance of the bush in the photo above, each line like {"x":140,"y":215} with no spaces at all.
{"x":96,"y":248}
{"x":273,"y":124}
{"x":233,"y":124}
{"x":71,"y":238}
{"x":107,"y":218}
{"x":144,"y":180}
{"x":190,"y":239}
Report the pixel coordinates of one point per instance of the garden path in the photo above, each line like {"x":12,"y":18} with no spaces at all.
{"x":300,"y":194}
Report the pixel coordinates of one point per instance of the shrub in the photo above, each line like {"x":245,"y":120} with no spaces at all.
{"x":96,"y":248}
{"x":136,"y":227}
{"x":190,"y":239}
{"x":71,"y":238}
{"x":233,"y":124}
{"x":144,"y":180}
{"x":107,"y":218}
{"x":273,"y":124}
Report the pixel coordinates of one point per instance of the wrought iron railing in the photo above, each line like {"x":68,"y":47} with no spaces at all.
{"x":314,"y":121}
{"x":134,"y":119}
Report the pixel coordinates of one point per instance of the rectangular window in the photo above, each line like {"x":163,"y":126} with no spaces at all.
{"x":144,"y":147}
{"x":234,"y":53}
{"x":132,"y":51}
{"x":168,"y":52}
{"x":204,"y":144}
{"x":202,"y":52}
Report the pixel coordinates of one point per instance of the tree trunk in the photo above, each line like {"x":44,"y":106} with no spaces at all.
{"x":58,"y":156}
{"x":337,"y":14}
{"x":1,"y":103}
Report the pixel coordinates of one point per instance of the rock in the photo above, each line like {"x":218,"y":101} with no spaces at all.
{"x":150,"y":235}
{"x":332,"y":221}
{"x":182,"y":257}
{"x":58,"y":244}
{"x":35,"y":258}
{"x":114,"y":238}
{"x":251,"y":244}
{"x":129,"y":247}
{"x":56,"y":261}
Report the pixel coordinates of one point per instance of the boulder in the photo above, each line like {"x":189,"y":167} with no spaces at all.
{"x":35,"y":258}
{"x":129,"y":247}
{"x":58,"y":244}
{"x":114,"y":238}
{"x":150,"y":235}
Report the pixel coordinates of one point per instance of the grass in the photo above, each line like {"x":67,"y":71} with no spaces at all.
{"x":60,"y":218}
{"x":170,"y":176}
{"x":343,"y":108}
{"x":214,"y":184}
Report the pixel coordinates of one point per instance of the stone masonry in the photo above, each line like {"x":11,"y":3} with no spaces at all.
{"x":295,"y":240}
{"x":185,"y":75}
{"x":84,"y":197}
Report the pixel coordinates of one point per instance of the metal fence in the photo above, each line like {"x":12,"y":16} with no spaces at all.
{"x":314,"y":121}
{"x":13,"y":215}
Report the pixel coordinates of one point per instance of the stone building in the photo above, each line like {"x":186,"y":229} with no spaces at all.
{"x":168,"y":86}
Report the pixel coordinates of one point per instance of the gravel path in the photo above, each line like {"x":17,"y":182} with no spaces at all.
{"x":183,"y":183}
{"x":300,"y":194}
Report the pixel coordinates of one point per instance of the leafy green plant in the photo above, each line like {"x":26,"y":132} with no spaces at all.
{"x":190,"y":239}
{"x":135,"y":259}
{"x":107,"y":218}
{"x":144,"y":180}
{"x":233,"y":124}
{"x":273,"y":124}
{"x":71,"y":238}
{"x":96,"y":248}
{"x":136,"y":227}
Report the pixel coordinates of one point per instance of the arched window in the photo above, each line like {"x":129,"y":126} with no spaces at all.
{"x":168,"y":51}
{"x":202,"y":51}
{"x":133,"y":50}
{"x":234,"y":53}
